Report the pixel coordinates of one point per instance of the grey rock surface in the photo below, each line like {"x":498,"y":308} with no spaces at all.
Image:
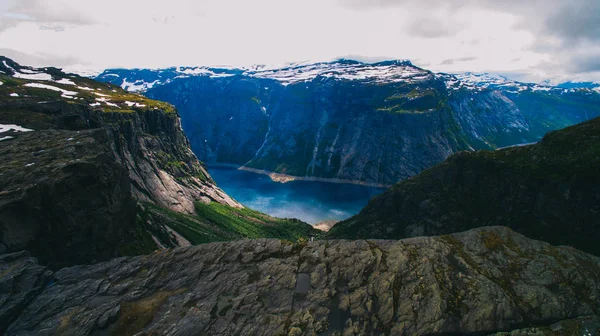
{"x":481,"y":281}
{"x":21,"y":279}
{"x":64,"y":197}
{"x":581,"y":326}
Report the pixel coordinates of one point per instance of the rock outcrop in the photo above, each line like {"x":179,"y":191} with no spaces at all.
{"x":549,"y":191}
{"x":480,"y":281}
{"x":345,"y":120}
{"x":80,"y":158}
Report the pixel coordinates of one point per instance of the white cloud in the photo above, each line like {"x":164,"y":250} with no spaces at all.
{"x":479,"y":35}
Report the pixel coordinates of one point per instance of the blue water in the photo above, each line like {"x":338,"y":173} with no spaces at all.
{"x":312,"y":202}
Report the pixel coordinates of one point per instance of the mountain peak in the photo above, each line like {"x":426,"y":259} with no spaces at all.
{"x":387,"y":62}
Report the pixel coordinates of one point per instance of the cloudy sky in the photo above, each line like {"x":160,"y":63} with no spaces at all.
{"x":532,"y":40}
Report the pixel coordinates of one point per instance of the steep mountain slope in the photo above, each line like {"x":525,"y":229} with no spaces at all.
{"x":548,"y":191}
{"x":371,"y":123}
{"x":77,"y":156}
{"x":477,"y":282}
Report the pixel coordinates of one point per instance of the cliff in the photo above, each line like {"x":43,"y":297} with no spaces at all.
{"x":477,"y":282}
{"x":81,"y":161}
{"x":549,"y":191}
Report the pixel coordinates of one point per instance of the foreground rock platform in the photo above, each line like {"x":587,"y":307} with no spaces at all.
{"x":482,"y":281}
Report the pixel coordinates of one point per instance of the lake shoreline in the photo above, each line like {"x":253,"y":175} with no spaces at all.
{"x":313,"y":202}
{"x":284,"y":178}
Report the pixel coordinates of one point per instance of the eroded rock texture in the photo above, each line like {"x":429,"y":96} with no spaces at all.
{"x":484,"y":280}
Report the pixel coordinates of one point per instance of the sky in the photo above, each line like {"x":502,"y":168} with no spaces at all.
{"x":533,"y":40}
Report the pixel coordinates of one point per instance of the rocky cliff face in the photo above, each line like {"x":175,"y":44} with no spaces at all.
{"x":374,"y":123}
{"x":60,"y":196}
{"x":480,"y":281}
{"x":550,"y":191}
{"x":163,"y":170}
{"x":76,"y":156}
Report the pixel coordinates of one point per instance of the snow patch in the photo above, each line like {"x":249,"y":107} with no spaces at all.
{"x":480,"y":81}
{"x":38,"y":76}
{"x":14,"y":94}
{"x":130,"y":104}
{"x":6,"y":138}
{"x":15,"y":128}
{"x":65,"y":93}
{"x":66,"y":81}
{"x":541,"y":88}
{"x":138,"y":85}
{"x":27,"y":71}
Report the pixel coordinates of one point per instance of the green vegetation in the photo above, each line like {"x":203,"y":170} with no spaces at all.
{"x":414,"y":101}
{"x":141,"y":244}
{"x":396,"y":109}
{"x":176,"y":164}
{"x":217,"y":222}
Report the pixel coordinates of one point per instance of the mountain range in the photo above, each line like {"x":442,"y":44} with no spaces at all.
{"x":368,"y":123}
{"x":101,"y":198}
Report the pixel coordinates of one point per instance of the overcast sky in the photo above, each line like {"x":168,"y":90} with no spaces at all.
{"x":533,"y":40}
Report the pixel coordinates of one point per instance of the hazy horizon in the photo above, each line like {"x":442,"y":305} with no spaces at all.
{"x":553,"y":40}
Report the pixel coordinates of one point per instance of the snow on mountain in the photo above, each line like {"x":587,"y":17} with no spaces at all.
{"x":482,"y":81}
{"x":396,"y":71}
{"x":382,"y":72}
{"x":21,"y":83}
{"x":35,"y":74}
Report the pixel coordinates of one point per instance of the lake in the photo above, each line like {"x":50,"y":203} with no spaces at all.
{"x":309,"y":201}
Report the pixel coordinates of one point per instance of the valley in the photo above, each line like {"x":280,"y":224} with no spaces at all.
{"x":313,"y":168}
{"x":110,"y":225}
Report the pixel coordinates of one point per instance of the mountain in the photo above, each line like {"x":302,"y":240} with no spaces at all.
{"x":549,"y":191}
{"x":89,"y":171}
{"x":478,"y":282}
{"x":581,"y":85}
{"x":375,"y":123}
